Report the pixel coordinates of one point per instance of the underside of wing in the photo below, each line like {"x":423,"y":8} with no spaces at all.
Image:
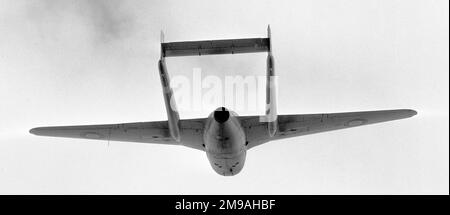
{"x":297,"y":125}
{"x":143,"y":132}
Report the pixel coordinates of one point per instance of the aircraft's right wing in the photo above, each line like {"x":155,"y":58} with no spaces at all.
{"x":297,"y":125}
{"x":143,"y":132}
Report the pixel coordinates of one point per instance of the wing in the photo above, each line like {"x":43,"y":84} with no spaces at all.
{"x":143,"y":132}
{"x":298,"y":125}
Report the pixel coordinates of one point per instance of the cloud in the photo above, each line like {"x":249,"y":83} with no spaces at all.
{"x":104,"y":20}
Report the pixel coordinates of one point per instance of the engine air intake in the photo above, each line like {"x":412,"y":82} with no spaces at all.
{"x":221,"y":115}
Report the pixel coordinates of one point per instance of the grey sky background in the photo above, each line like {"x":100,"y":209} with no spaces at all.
{"x":67,"y":62}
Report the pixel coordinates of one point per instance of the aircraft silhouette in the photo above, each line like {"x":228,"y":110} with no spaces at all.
{"x":223,"y":135}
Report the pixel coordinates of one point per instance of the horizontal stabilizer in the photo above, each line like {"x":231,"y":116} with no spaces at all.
{"x":210,"y":47}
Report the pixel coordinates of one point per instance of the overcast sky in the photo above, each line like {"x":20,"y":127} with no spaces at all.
{"x":68,"y":62}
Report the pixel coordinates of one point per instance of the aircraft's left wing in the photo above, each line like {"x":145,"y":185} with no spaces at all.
{"x":304,"y":124}
{"x":143,"y":132}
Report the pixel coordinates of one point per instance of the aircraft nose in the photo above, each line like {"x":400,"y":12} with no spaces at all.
{"x":221,"y":115}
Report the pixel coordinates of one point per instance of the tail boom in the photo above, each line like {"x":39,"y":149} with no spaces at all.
{"x":271,"y":91}
{"x":173,"y":117}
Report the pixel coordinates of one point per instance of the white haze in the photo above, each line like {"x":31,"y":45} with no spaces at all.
{"x":68,"y":62}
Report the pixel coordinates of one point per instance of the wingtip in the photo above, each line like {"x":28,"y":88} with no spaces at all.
{"x":411,"y":112}
{"x":33,"y":131}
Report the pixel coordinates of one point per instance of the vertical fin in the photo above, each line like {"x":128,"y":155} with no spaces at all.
{"x":173,"y":117}
{"x":269,"y":35}
{"x":271,"y":91}
{"x":163,"y":54}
